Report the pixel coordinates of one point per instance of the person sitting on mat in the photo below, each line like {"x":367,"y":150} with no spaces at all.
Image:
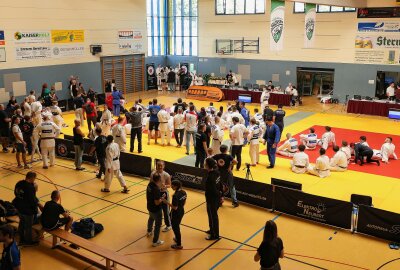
{"x":387,"y":150}
{"x":309,"y":140}
{"x":321,"y":167}
{"x":339,"y":161}
{"x":289,"y":147}
{"x":300,"y":161}
{"x":52,"y":210}
{"x":328,"y":138}
{"x":347,"y":150}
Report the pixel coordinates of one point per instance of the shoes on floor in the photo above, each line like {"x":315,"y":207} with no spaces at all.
{"x":167,"y":228}
{"x":158,"y":243}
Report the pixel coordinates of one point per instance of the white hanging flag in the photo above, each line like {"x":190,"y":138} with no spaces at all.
{"x":277,"y":25}
{"x":309,"y":25}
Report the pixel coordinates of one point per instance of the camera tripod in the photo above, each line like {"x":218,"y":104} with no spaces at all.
{"x":248,"y":172}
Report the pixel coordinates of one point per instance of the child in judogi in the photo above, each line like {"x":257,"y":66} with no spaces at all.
{"x":321,"y":167}
{"x":106,"y":121}
{"x":328,"y":138}
{"x":254,"y":141}
{"x":387,"y":150}
{"x":339,"y":161}
{"x":217,"y":135}
{"x":289,"y":147}
{"x":310,"y":140}
{"x":119,"y":134}
{"x":300,"y":161}
{"x":57,"y":114}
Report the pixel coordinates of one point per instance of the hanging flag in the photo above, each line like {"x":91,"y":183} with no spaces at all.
{"x":309,"y":25}
{"x":277,"y":25}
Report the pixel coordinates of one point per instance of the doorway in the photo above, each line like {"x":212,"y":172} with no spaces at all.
{"x":315,"y":81}
{"x":383,"y":80}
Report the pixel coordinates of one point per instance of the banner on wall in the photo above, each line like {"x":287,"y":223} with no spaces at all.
{"x":389,"y":26}
{"x":151,"y":76}
{"x":68,"y":51}
{"x":2,"y":54}
{"x":67,"y":36}
{"x":377,"y":49}
{"x":378,"y":12}
{"x":131,"y":41}
{"x":309,"y":25}
{"x":2,"y":39}
{"x":277,"y":25}
{"x":32,"y":53}
{"x":30,"y":37}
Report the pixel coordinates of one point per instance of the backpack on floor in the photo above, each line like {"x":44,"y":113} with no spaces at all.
{"x":86,"y":228}
{"x":7,"y":209}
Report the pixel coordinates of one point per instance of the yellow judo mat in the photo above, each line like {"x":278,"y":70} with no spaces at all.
{"x":307,"y":245}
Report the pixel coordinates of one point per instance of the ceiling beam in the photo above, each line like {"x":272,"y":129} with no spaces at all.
{"x":339,"y":3}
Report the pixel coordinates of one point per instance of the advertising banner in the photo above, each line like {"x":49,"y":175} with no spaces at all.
{"x":2,"y":39}
{"x":379,"y":223}
{"x":32,"y":53}
{"x":3,"y":54}
{"x":87,"y":145}
{"x":135,"y":164}
{"x":316,"y":208}
{"x":207,"y":93}
{"x":67,"y":36}
{"x":379,"y":12}
{"x":131,"y":41}
{"x":387,"y":26}
{"x":309,"y":25}
{"x":190,"y":177}
{"x":277,"y":25}
{"x":32,"y":37}
{"x":255,"y":193}
{"x":151,"y":76}
{"x":67,"y":51}
{"x":380,"y":48}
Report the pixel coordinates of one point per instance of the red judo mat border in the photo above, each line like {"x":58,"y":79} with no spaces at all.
{"x":375,"y":141}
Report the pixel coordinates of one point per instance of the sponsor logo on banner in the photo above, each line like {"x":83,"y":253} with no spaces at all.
{"x":125,"y":35}
{"x":131,"y":41}
{"x":32,"y":53}
{"x":277,"y":25}
{"x":67,"y":36}
{"x":184,"y":177}
{"x":377,"y":49}
{"x":62,"y":150}
{"x":68,"y":51}
{"x":379,"y":27}
{"x":309,"y":25}
{"x":205,"y":93}
{"x":151,"y":77}
{"x":2,"y":39}
{"x":26,"y":37}
{"x":316,"y":211}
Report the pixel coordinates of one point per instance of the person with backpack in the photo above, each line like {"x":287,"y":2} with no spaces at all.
{"x":90,"y":113}
{"x":177,"y":211}
{"x":11,"y":256}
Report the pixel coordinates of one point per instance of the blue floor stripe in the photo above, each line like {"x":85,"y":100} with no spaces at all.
{"x":241,"y":245}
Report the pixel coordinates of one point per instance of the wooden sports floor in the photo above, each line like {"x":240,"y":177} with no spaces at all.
{"x":124,"y":216}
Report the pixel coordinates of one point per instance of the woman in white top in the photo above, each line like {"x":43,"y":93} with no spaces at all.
{"x":179,"y":127}
{"x":217,"y":134}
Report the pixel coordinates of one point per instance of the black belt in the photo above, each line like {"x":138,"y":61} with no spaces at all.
{"x":117,"y":136}
{"x":163,"y":122}
{"x":299,"y":166}
{"x":342,"y":167}
{"x":215,"y":139}
{"x":114,"y":159}
{"x":323,"y":170}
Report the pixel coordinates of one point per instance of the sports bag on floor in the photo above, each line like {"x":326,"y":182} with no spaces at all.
{"x":86,"y":228}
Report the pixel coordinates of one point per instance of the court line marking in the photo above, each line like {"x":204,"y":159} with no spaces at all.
{"x":197,"y":254}
{"x":386,"y":263}
{"x":241,"y":245}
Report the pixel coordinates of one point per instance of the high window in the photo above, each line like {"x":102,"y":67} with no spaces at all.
{"x":238,"y":7}
{"x":300,"y":8}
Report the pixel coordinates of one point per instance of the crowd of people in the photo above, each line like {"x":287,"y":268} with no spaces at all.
{"x":171,"y":78}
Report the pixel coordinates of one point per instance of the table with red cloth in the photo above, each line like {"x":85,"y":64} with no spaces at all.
{"x":274,"y":98}
{"x":370,"y":107}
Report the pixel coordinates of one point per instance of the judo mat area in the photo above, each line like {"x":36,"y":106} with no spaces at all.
{"x":307,"y":245}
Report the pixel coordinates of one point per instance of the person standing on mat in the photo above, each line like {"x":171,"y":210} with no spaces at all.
{"x":78,"y":145}
{"x":270,"y":249}
{"x":271,"y":137}
{"x":225,"y":164}
{"x":279,"y":115}
{"x":135,"y":119}
{"x":237,"y":134}
{"x":201,"y":146}
{"x":190,"y":128}
{"x":179,"y":127}
{"x":153,"y":121}
{"x":90,"y":113}
{"x":113,"y":166}
{"x":154,"y":203}
{"x":213,"y":197}
{"x":177,"y":211}
{"x":116,"y":101}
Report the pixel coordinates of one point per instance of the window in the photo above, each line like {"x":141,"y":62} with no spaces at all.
{"x":238,"y":7}
{"x":172,"y":27}
{"x":300,"y":8}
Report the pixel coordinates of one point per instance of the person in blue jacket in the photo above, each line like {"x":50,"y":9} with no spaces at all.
{"x":271,"y":137}
{"x":117,"y":96}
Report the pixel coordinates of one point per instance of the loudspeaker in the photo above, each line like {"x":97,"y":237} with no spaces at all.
{"x":95,"y":49}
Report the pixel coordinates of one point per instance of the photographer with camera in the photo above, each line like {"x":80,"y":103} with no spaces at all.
{"x":225,"y":164}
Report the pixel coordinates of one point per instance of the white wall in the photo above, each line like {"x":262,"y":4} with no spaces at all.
{"x":335,"y":34}
{"x":101,"y":19}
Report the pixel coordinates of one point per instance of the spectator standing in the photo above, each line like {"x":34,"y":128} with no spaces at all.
{"x":271,"y":137}
{"x":191,"y":126}
{"x":117,"y":96}
{"x":270,"y":249}
{"x":213,"y":197}
{"x":390,"y":92}
{"x":11,"y":256}
{"x":90,"y":113}
{"x":201,"y":146}
{"x":100,"y":144}
{"x":27,"y":205}
{"x":4,"y":128}
{"x":78,"y":145}
{"x":154,"y":202}
{"x":78,"y":104}
{"x":179,"y":127}
{"x":153,"y":121}
{"x":135,"y":117}
{"x":237,"y":134}
{"x":27,"y":131}
{"x":91,"y":94}
{"x":20,"y":143}
{"x":279,"y":115}
{"x":171,"y":80}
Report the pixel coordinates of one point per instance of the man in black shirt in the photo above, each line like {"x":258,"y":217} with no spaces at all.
{"x":27,"y":205}
{"x":52,"y":210}
{"x":11,"y":256}
{"x":27,"y":130}
{"x":267,"y":113}
{"x":225,"y":164}
{"x":179,"y":105}
{"x":171,"y":77}
{"x":213,"y":197}
{"x":362,"y":151}
{"x":154,"y":201}
{"x":279,"y":114}
{"x":4,"y":128}
{"x":135,"y":119}
{"x":201,"y":146}
{"x":100,"y":144}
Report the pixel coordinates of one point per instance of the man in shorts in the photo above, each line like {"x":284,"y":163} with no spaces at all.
{"x":153,"y":121}
{"x":20,"y":143}
{"x":52,"y":211}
